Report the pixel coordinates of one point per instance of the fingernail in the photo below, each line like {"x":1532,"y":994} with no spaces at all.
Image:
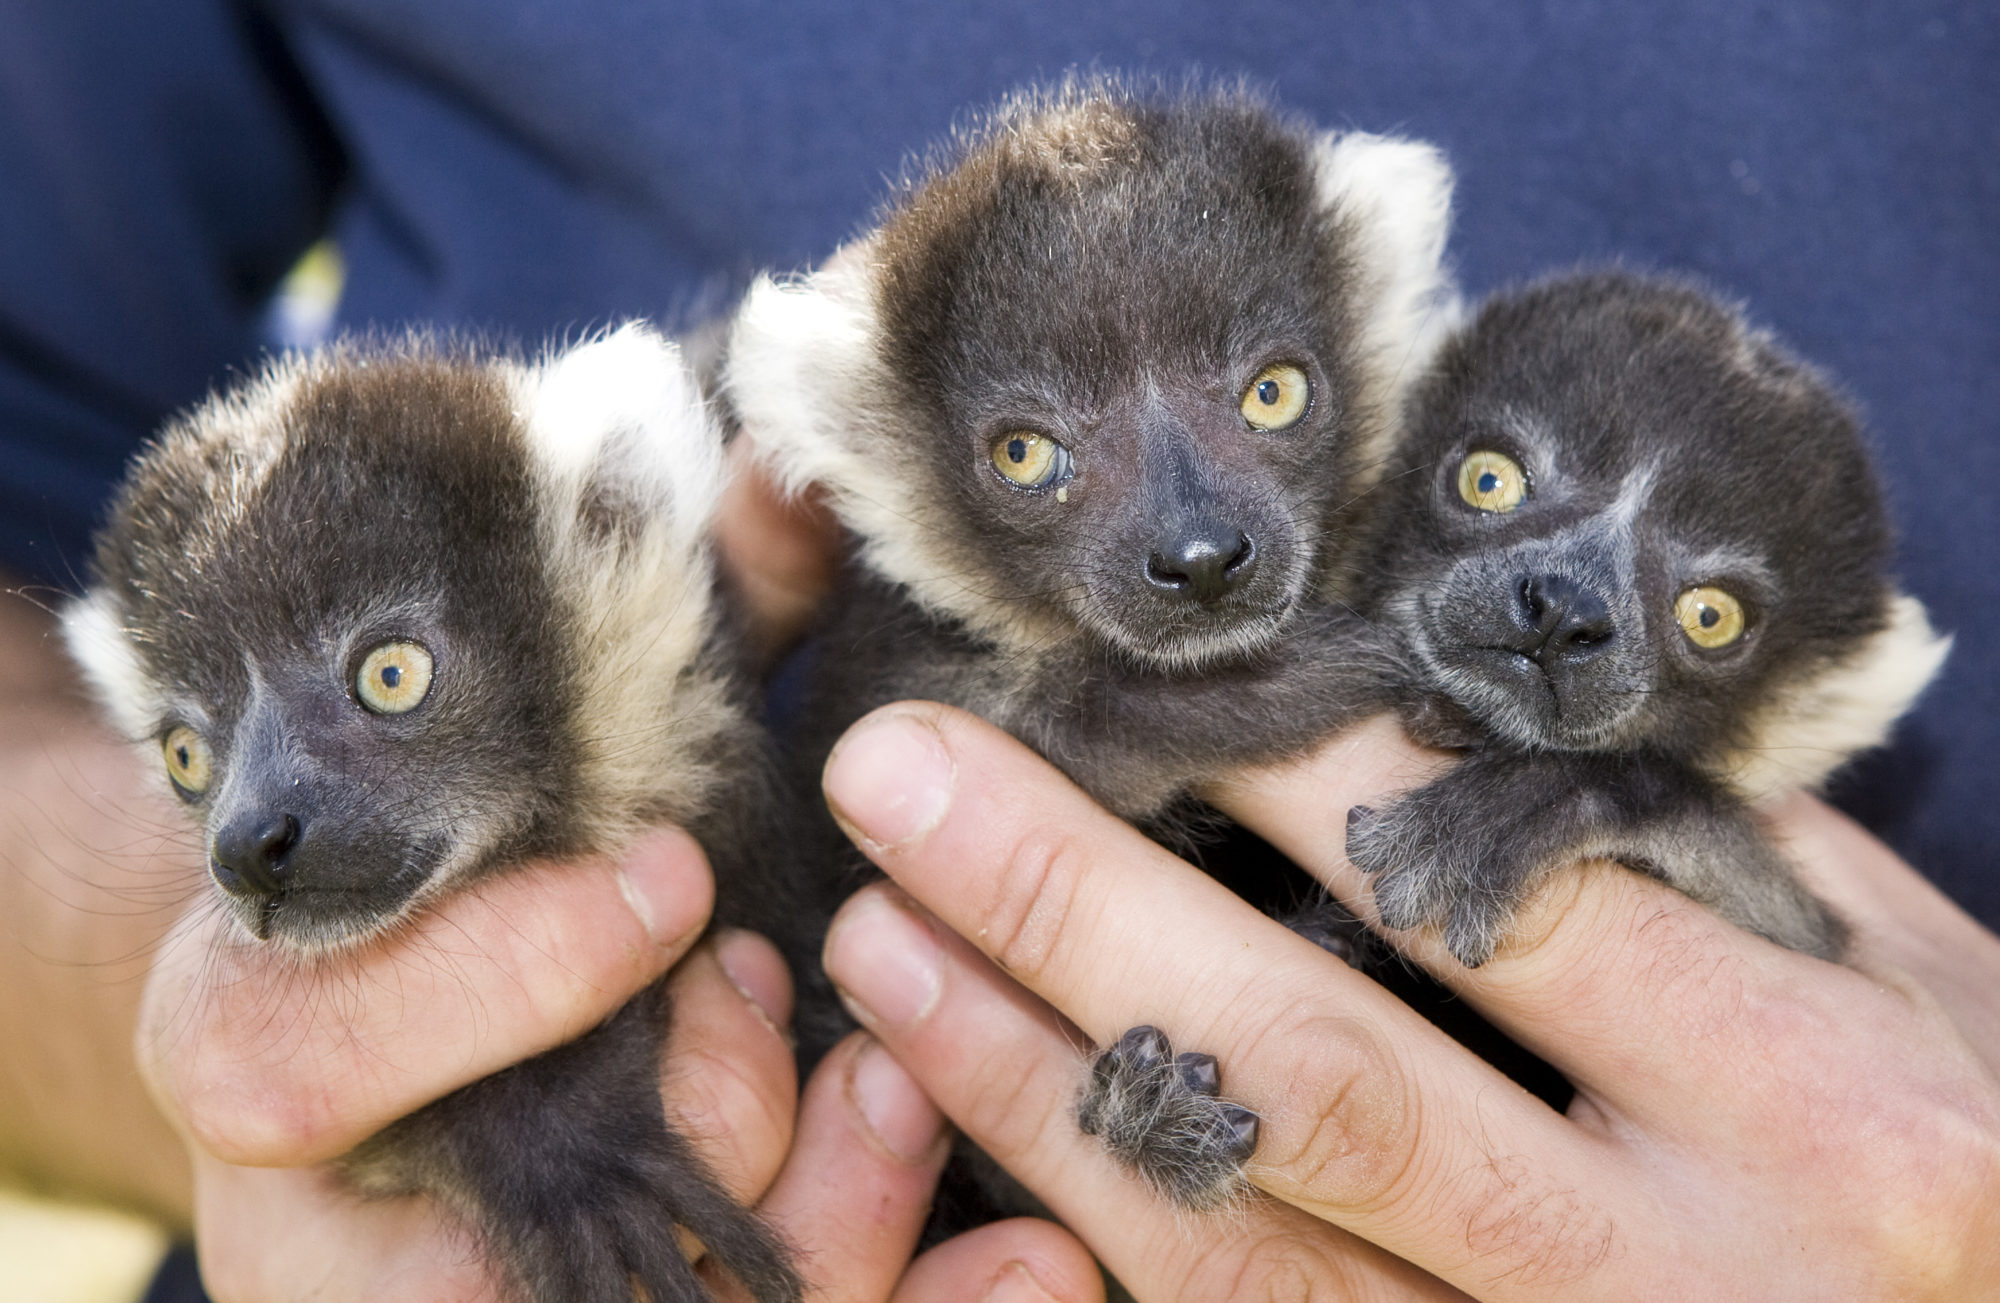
{"x":884,"y":959}
{"x":747,"y":961}
{"x":892,"y":1105}
{"x":1016,"y":1284}
{"x":654,"y":880}
{"x":890,"y":778}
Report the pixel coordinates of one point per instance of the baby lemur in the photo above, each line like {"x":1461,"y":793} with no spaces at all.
{"x":1640,"y":559}
{"x":1097,"y":401}
{"x":396,"y":617}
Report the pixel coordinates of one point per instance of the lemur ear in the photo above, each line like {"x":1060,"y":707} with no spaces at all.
{"x":619,"y":422}
{"x":1392,"y":198}
{"x":803,"y":373}
{"x":99,"y":644}
{"x":629,"y":468}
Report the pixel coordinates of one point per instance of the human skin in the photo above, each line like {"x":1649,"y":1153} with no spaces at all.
{"x":1749,"y":1123}
{"x":88,"y":883}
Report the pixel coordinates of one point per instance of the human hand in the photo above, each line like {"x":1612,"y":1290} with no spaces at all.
{"x":271,"y":1069}
{"x":777,"y":550}
{"x":855,"y":1190}
{"x":1749,"y":1123}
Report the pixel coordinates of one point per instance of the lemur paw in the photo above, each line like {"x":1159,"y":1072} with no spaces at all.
{"x":1328,"y":925}
{"x":1431,"y":861}
{"x":1158,"y":1114}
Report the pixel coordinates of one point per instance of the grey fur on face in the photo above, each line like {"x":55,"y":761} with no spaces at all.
{"x":397,"y":615}
{"x":1667,"y":447}
{"x":1642,"y":549}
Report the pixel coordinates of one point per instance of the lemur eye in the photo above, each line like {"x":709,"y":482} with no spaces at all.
{"x":1033,"y":461}
{"x":1710,"y":617}
{"x":188,"y":761}
{"x":393,"y":678}
{"x":1492,"y":481}
{"x":1277,"y":398}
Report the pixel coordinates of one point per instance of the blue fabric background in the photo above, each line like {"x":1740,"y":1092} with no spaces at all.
{"x":539,"y":166}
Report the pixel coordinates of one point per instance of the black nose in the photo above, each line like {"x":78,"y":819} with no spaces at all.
{"x":1203,"y":563}
{"x":249,"y":854}
{"x":1561,"y":617}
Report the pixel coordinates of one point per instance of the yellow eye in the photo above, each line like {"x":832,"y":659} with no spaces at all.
{"x":1277,"y":398}
{"x":394,"y":678}
{"x":1030,"y":460}
{"x":1709,"y":617}
{"x":1492,"y":481}
{"x":187,"y":759}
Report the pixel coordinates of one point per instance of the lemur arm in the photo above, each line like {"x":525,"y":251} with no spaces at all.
{"x":1464,"y":851}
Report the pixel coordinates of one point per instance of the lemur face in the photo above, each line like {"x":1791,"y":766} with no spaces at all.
{"x":1628,"y":521}
{"x":1115,"y":373}
{"x":1138,"y":424}
{"x":343,"y":688}
{"x":340,"y":609}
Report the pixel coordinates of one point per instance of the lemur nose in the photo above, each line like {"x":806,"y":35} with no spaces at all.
{"x":1561,"y":617}
{"x":1203,"y":563}
{"x":249,"y":853}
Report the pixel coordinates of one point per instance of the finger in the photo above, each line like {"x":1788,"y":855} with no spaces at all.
{"x":1371,"y":1117}
{"x":271,"y":1235}
{"x":1639,"y":995}
{"x":778,"y":549}
{"x":271,"y":1060}
{"x":1896,"y":913}
{"x":1023,"y":1260}
{"x":1005,"y":1069}
{"x":727,"y":1077}
{"x":855,"y":1190}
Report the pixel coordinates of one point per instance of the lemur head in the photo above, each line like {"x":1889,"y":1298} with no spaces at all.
{"x":390,"y":616}
{"x":1624,"y":518}
{"x":1112,"y":368}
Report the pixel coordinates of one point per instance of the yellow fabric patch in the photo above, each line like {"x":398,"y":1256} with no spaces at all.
{"x":66,"y":1253}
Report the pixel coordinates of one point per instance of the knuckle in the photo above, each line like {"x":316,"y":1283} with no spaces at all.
{"x":1346,"y":1131}
{"x":1527,"y":1231}
{"x":253,"y":1128}
{"x":1284,"y":1267}
{"x":1605,"y":951}
{"x":227,"y":1075}
{"x":1682,"y":959}
{"x":1032,"y":904}
{"x":1011,"y":1104}
{"x":562,"y":999}
{"x":561,"y":957}
{"x":1556,"y":905}
{"x":1934,"y":1201}
{"x":730,"y":1112}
